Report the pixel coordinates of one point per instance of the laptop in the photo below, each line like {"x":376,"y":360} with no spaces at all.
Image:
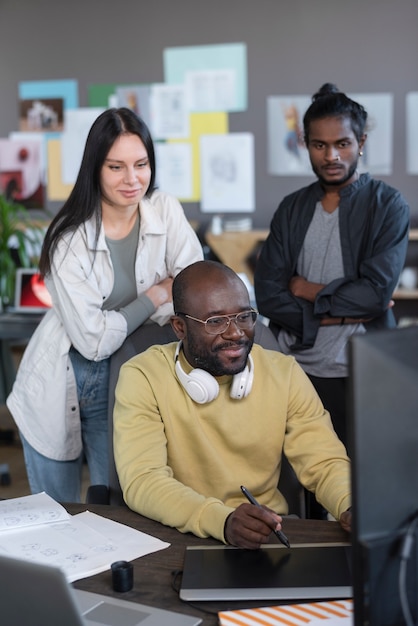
{"x":31,"y":294}
{"x":40,"y":595}
{"x":273,"y":572}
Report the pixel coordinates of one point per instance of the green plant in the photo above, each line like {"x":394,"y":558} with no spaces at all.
{"x":20,"y":244}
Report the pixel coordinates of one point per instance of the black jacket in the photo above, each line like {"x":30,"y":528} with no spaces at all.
{"x":374,"y":227}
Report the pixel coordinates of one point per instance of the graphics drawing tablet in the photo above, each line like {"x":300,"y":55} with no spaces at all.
{"x":273,"y":572}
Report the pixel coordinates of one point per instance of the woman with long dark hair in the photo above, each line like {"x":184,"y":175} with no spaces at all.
{"x":109,"y":258}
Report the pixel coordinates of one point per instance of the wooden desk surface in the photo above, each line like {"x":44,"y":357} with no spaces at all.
{"x":233,"y":249}
{"x":153,"y":576}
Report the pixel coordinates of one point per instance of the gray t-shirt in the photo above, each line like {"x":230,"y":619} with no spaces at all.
{"x":320,"y":261}
{"x":136,"y":309}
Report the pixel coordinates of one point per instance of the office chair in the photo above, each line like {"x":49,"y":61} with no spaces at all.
{"x":152,"y":334}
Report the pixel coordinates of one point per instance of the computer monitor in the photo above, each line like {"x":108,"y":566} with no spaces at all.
{"x":383,"y":431}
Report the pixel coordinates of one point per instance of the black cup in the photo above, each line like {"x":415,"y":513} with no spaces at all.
{"x":122,"y":576}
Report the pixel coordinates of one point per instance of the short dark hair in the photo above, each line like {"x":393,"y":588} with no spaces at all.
{"x":329,"y":101}
{"x":202,"y":269}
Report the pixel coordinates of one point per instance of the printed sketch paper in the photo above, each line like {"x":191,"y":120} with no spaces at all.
{"x":378,"y":149}
{"x":287,"y":153}
{"x":77,"y":126}
{"x":200,"y":124}
{"x":174,"y":168}
{"x":211,"y":90}
{"x":227,"y":173}
{"x":21,"y":171}
{"x":30,"y":511}
{"x":169,"y":113}
{"x":188,"y":64}
{"x":37,"y":528}
{"x":136,"y":98}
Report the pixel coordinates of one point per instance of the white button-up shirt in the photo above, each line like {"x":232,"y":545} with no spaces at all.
{"x":43,"y":400}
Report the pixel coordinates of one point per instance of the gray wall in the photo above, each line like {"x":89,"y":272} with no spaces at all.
{"x":293,"y":47}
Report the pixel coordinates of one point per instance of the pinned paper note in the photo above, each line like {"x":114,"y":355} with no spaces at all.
{"x":37,"y":528}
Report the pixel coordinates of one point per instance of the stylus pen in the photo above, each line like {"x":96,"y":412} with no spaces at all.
{"x":279,"y":534}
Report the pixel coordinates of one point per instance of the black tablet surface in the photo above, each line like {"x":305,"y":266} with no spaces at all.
{"x":274,"y":572}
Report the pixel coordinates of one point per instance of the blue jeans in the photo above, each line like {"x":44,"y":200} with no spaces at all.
{"x":62,"y":479}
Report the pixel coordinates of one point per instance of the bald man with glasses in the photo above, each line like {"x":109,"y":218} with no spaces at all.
{"x":196,"y":419}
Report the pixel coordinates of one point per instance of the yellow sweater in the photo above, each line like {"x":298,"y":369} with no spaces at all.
{"x":182,"y":463}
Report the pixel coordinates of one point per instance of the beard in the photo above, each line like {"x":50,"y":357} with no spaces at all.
{"x":336,"y":182}
{"x":212,"y":361}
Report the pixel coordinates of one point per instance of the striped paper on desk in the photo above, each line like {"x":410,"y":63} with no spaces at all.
{"x":338,"y":612}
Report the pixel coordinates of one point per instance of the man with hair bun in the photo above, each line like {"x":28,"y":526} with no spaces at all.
{"x":334,"y":253}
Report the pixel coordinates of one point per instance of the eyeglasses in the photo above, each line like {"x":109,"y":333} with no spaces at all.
{"x":218,"y":324}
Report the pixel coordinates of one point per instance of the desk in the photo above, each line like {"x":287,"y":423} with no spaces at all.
{"x":233,"y":249}
{"x":152,"y":573}
{"x":13,"y":327}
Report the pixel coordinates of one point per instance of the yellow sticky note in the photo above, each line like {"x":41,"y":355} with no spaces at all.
{"x":56,"y":189}
{"x":202,"y":124}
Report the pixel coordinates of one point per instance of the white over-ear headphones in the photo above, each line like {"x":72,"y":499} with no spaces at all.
{"x":202,"y":387}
